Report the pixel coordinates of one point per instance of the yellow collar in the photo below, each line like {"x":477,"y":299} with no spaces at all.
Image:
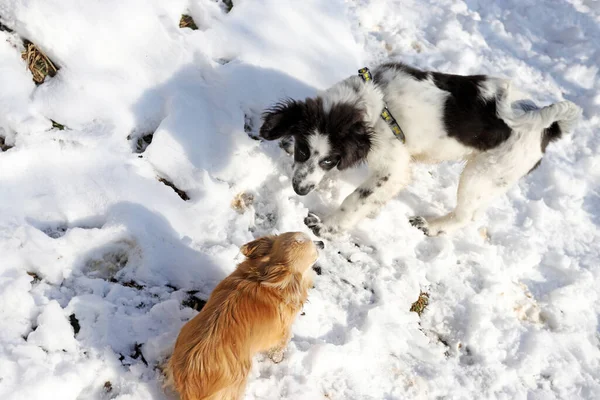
{"x":366,"y":76}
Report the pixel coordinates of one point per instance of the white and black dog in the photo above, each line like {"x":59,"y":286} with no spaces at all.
{"x":442,"y":117}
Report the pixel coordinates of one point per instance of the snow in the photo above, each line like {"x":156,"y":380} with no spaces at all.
{"x":89,"y":234}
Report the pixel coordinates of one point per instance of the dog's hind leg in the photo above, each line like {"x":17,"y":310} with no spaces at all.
{"x":485,"y":177}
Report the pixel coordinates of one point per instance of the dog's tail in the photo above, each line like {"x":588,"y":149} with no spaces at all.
{"x":553,"y":120}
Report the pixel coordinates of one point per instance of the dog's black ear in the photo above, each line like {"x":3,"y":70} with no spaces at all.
{"x":355,"y":145}
{"x":258,"y":248}
{"x":282,"y":119}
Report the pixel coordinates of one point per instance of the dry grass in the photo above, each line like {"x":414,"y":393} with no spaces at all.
{"x":143,"y":142}
{"x":5,"y":28}
{"x":138,"y":354}
{"x":130,"y":283}
{"x":187,"y":22}
{"x":179,"y":192}
{"x":58,"y":126}
{"x":36,"y":277}
{"x":3,"y":145}
{"x":228,"y":5}
{"x":242,"y":201}
{"x":39,"y":64}
{"x":421,"y":303}
{"x":74,"y":323}
{"x":193,"y":301}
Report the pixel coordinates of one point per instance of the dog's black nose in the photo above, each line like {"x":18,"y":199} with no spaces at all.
{"x":303,"y":191}
{"x":319,"y":243}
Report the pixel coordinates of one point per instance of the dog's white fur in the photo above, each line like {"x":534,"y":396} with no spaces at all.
{"x":418,"y":107}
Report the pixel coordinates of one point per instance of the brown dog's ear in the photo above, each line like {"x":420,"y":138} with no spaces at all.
{"x":258,"y":248}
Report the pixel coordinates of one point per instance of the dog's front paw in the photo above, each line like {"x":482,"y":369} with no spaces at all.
{"x":420,"y":223}
{"x":430,"y":228}
{"x":276,"y":355}
{"x":311,"y":220}
{"x":314,"y":223}
{"x":321,"y":229}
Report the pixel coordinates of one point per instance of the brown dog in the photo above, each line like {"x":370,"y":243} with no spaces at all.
{"x":250,"y":311}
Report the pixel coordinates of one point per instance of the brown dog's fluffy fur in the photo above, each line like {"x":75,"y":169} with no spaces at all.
{"x":250,"y":311}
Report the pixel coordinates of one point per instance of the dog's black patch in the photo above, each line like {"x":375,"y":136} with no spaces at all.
{"x":282,"y":119}
{"x":537,"y":164}
{"x":348,"y":133}
{"x":468,"y":117}
{"x":397,"y":66}
{"x":364,"y":193}
{"x":550,"y":134}
{"x":301,"y":149}
{"x":382,"y":180}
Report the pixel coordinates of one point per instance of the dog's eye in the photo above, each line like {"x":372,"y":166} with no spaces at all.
{"x":328,"y":163}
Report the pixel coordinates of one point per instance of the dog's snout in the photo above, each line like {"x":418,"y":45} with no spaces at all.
{"x":319,"y":243}
{"x":302,"y":190}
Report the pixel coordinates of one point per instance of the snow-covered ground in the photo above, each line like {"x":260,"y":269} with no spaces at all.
{"x":91,"y":241}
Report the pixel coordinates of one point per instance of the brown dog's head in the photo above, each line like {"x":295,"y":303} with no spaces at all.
{"x":282,"y":256}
